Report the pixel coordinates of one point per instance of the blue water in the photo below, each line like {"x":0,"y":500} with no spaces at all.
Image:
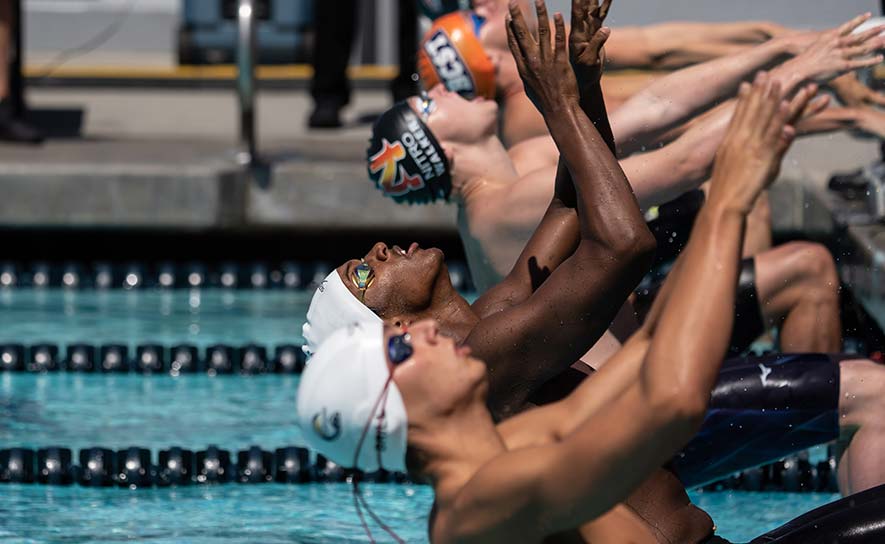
{"x":233,"y":412}
{"x":200,"y":317}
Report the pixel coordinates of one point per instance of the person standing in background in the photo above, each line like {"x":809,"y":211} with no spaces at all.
{"x":336,"y":27}
{"x":12,"y":127}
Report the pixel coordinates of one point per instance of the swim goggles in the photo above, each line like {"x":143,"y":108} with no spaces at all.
{"x":399,"y":348}
{"x":426,"y":105}
{"x":362,"y":277}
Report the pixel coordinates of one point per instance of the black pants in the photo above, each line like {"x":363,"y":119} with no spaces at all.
{"x":336,"y":27}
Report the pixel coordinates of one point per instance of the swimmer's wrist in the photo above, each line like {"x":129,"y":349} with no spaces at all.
{"x":792,"y":73}
{"x":790,"y":44}
{"x":727,"y":207}
{"x":562,"y":105}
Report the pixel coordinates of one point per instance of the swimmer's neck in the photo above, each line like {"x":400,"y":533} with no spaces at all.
{"x":480,"y":167}
{"x":455,"y":316}
{"x":453,"y":446}
{"x":451,"y":310}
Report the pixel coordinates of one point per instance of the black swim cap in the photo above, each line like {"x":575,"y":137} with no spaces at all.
{"x":405,"y":160}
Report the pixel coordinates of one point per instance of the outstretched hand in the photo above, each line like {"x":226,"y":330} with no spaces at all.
{"x":587,"y":38}
{"x":761,"y":131}
{"x":838,"y":51}
{"x":852,"y":92}
{"x":546,"y":74}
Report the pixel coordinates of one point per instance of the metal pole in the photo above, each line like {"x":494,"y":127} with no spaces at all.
{"x":246,"y":80}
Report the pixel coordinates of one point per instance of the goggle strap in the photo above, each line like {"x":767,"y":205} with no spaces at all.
{"x":357,"y":494}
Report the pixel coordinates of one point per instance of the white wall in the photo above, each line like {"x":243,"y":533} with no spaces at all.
{"x":799,"y":13}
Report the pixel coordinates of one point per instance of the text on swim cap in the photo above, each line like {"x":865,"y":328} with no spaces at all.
{"x":451,"y":68}
{"x":422,"y":151}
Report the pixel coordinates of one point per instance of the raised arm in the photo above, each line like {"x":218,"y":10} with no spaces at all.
{"x":673,"y":99}
{"x":660,"y":175}
{"x":623,"y":370}
{"x":558,"y":486}
{"x":825,"y":57}
{"x":570,"y":305}
{"x":673,"y":45}
{"x":862,"y":119}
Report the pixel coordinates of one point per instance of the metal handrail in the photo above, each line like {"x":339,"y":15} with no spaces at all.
{"x":246,"y":46}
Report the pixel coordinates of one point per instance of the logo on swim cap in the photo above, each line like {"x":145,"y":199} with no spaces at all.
{"x":404,"y":159}
{"x":452,"y":54}
{"x":327,"y":429}
{"x":448,"y":63}
{"x":394,"y":180}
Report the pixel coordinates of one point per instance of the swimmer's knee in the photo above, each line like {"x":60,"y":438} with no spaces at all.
{"x":816,"y":260}
{"x":861,"y":393}
{"x":817,"y":268}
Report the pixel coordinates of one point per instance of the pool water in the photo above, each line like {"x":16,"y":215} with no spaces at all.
{"x":200,"y":317}
{"x":233,"y":412}
{"x":317,"y":513}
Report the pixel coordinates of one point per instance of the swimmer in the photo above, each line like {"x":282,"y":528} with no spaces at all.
{"x":414,"y":285}
{"x":415,"y":400}
{"x":521,"y":121}
{"x":660,"y":175}
{"x":499,"y":210}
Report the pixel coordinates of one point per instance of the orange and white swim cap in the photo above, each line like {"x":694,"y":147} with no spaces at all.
{"x":452,"y":54}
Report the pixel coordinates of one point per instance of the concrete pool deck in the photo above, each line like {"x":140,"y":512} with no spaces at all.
{"x":164,"y":158}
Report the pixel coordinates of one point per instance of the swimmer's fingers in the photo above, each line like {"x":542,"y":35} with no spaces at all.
{"x":775,"y":127}
{"x":801,"y":106}
{"x":516,"y":48}
{"x":578,"y":7}
{"x":817,"y":105}
{"x":863,"y":37}
{"x":864,"y":49}
{"x":598,"y":41}
{"x":788,"y":136}
{"x":743,"y":99}
{"x":875,"y":98}
{"x":865,"y":62}
{"x":804,"y":104}
{"x":847,"y":28}
{"x":516,"y":23}
{"x":592,"y":18}
{"x":756,"y":102}
{"x":559,"y":52}
{"x":603,"y":10}
{"x":766,"y":119}
{"x":543,"y":31}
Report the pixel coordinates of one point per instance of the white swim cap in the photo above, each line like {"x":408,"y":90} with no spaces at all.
{"x":333,"y":306}
{"x":343,"y":382}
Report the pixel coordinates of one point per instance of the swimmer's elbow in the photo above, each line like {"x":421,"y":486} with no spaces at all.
{"x":679,"y":405}
{"x":636,"y":248}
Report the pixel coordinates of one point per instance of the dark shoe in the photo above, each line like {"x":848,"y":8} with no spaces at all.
{"x":13,"y":129}
{"x":325,"y":116}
